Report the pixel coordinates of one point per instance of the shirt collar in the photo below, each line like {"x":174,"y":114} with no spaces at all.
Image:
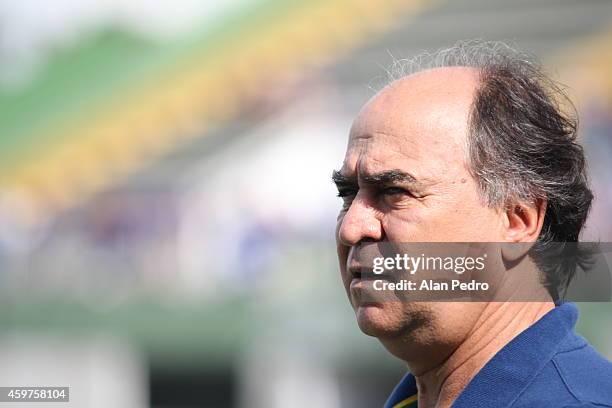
{"x":513,"y":366}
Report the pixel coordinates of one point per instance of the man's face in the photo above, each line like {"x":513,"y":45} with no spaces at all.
{"x":405,"y":179}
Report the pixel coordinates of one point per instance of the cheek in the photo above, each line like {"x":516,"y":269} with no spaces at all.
{"x":443,"y":219}
{"x":342,"y":251}
{"x":475,"y":220}
{"x":403,"y":225}
{"x":339,"y":221}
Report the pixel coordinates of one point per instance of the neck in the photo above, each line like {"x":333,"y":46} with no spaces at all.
{"x":498,"y":325}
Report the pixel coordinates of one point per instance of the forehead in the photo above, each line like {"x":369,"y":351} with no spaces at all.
{"x":420,"y":121}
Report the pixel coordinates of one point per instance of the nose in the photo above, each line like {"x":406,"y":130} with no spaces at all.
{"x":360,"y":223}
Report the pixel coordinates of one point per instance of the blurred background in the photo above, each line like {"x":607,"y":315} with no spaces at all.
{"x":166,"y":210}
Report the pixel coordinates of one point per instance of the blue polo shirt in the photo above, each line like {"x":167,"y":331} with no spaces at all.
{"x":547,"y":365}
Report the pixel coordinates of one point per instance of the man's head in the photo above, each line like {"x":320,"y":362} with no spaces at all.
{"x":469,"y":146}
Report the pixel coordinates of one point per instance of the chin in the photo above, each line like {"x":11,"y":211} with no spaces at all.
{"x":381,"y":321}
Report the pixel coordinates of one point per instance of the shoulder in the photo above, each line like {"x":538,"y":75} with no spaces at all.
{"x":586,"y":374}
{"x":576,"y":377}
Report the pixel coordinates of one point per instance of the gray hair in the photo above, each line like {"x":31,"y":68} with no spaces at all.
{"x":522,"y":147}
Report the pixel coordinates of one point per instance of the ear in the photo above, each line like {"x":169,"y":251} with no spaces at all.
{"x":522,"y":223}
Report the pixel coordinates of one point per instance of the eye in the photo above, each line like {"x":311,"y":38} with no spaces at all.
{"x":390,"y":191}
{"x":347,"y":195}
{"x":346,"y":192}
{"x":394,"y":196}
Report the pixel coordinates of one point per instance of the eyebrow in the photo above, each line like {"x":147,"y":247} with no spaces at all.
{"x":384,"y":177}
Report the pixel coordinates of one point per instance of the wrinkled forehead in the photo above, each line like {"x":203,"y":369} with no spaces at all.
{"x":422,"y":118}
{"x":374,"y":152}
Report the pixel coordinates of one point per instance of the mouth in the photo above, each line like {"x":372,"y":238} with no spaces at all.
{"x":363,"y":294}
{"x":359,"y":272}
{"x":355,"y":272}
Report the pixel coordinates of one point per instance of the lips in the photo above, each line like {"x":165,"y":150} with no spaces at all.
{"x":355,"y":271}
{"x":361,"y":284}
{"x":360,"y":262}
{"x":364,"y":273}
{"x":358,"y":271}
{"x":362,"y":293}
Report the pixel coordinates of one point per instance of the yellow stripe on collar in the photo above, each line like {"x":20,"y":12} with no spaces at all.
{"x":410,"y":402}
